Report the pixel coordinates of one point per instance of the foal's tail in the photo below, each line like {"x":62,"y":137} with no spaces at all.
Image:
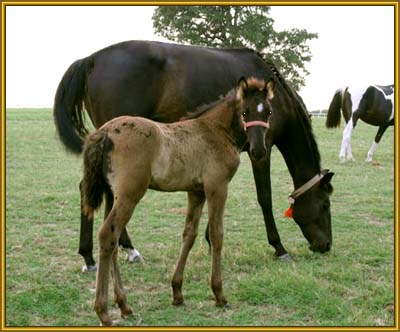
{"x":94,"y":183}
{"x":68,"y":105}
{"x":333,"y":117}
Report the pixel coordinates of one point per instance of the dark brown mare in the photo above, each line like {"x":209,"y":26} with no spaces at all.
{"x":128,"y":155}
{"x":163,"y":82}
{"x":373,"y":104}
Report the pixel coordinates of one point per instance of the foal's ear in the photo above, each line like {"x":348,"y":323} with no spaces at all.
{"x":270,"y":87}
{"x":241,"y":87}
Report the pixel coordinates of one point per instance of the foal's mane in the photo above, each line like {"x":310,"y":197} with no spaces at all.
{"x":301,"y":111}
{"x":199,"y":111}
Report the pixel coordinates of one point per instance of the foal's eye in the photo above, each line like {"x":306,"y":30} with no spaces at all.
{"x":244,"y":113}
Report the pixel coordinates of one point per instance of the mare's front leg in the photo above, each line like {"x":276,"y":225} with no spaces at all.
{"x":262,"y":177}
{"x":216,"y":199}
{"x":195,"y":206}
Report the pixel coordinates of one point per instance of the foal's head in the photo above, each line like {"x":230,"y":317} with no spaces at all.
{"x":255,"y":96}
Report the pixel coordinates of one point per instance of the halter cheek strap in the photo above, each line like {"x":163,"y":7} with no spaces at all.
{"x":256,"y":123}
{"x":300,"y":191}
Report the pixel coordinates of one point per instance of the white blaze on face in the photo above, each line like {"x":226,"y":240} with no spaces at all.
{"x":260,"y":108}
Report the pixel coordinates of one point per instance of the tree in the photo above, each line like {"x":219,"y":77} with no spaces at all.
{"x":238,"y":26}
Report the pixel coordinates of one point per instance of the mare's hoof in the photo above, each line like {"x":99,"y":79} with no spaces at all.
{"x":89,"y":268}
{"x":133,"y":256}
{"x":285,"y":257}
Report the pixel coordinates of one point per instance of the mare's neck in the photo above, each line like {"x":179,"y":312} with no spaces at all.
{"x":300,"y":153}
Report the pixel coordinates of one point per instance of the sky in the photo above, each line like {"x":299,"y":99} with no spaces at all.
{"x":355,"y":45}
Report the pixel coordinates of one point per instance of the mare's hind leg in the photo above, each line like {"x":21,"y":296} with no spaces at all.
{"x":375,"y":143}
{"x":216,"y":198}
{"x":195,"y":206}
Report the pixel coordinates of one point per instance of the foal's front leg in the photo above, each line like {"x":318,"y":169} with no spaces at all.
{"x":216,"y":199}
{"x":195,"y":206}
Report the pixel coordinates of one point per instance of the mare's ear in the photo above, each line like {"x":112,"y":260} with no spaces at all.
{"x":241,"y":87}
{"x":326,"y":180}
{"x":270,"y":87}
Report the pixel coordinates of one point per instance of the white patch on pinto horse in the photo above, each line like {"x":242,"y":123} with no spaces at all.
{"x":356,"y":96}
{"x":260,"y":108}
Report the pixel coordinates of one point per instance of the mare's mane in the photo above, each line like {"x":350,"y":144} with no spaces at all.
{"x":301,"y":111}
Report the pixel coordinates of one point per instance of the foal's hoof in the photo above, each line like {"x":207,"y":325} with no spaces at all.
{"x":223,"y":304}
{"x":89,"y":268}
{"x":133,"y":256}
{"x":126,"y":312}
{"x":178,"y":302}
{"x":285,"y":257}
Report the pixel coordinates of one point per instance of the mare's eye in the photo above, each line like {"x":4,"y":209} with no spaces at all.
{"x":244,"y":113}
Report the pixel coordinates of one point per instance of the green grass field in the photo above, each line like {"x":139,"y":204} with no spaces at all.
{"x":353,"y":285}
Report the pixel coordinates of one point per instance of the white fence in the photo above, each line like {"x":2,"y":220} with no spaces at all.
{"x":318,"y":113}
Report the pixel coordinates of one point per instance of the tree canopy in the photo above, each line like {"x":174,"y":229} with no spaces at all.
{"x":238,"y":26}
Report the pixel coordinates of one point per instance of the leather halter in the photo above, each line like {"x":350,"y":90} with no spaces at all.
{"x":256,"y":123}
{"x":307,"y":186}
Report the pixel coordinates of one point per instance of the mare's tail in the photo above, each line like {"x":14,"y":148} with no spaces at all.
{"x":94,"y":183}
{"x":68,"y":105}
{"x":333,"y":117}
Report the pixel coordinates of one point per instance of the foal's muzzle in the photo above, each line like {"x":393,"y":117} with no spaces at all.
{"x":256,"y":138}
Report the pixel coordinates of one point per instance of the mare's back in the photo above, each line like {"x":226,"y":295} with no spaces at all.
{"x":164,"y":81}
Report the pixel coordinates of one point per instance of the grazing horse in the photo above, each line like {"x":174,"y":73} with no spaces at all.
{"x":373,"y":104}
{"x":163,"y":82}
{"x":128,"y":155}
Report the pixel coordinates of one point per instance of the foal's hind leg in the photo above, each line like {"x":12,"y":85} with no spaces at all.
{"x":108,"y":238}
{"x":86,"y":239}
{"x":195,"y":206}
{"x":132,"y":255}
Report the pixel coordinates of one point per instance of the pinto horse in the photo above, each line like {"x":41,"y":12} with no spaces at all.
{"x":373,"y":104}
{"x":162,"y":82}
{"x":128,"y":155}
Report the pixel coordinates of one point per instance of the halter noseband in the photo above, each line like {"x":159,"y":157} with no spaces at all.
{"x":301,"y":190}
{"x":256,"y":123}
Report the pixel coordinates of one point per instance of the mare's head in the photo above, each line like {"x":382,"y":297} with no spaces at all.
{"x":310,"y":209}
{"x":254,"y":96}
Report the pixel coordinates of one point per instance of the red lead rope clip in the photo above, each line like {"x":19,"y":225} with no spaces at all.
{"x":289,"y":212}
